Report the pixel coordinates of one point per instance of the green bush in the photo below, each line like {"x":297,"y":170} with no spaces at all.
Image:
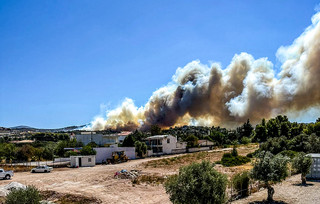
{"x":253,"y":154}
{"x":197,"y":183}
{"x":30,"y":195}
{"x":289,"y":153}
{"x":245,"y":140}
{"x":229,"y":160}
{"x":240,"y":183}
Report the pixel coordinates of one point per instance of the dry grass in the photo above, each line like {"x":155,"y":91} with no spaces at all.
{"x":152,"y":179}
{"x":212,"y":156}
{"x":65,"y":198}
{"x":17,"y":168}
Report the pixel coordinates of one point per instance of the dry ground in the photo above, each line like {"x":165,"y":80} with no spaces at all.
{"x":98,"y":181}
{"x":290,"y":191}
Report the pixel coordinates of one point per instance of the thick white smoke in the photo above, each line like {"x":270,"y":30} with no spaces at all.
{"x":248,"y":88}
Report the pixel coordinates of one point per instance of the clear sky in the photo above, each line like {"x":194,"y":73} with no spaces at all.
{"x":64,"y":62}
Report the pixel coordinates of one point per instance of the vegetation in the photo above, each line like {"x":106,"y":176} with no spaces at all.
{"x":88,"y":150}
{"x":270,"y":169}
{"x":197,"y":183}
{"x":141,"y":148}
{"x":302,"y":164}
{"x":240,"y":183}
{"x":30,"y":195}
{"x":230,"y":160}
{"x":192,"y":141}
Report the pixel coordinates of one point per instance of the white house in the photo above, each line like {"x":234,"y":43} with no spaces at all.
{"x":82,"y":161}
{"x":101,"y":139}
{"x":315,"y":167}
{"x":164,"y":144}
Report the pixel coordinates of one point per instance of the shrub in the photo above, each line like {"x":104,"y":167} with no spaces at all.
{"x":197,"y":183}
{"x":289,"y":153}
{"x":30,"y":195}
{"x":240,"y":183}
{"x":245,"y":140}
{"x":253,"y":154}
{"x":229,"y":160}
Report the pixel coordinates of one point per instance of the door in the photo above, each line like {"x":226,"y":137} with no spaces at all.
{"x":80,"y":162}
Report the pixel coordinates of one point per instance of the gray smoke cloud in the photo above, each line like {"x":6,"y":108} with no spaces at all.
{"x":248,"y":88}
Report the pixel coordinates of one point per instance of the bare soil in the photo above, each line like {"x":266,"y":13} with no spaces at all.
{"x":99,"y":182}
{"x":289,"y":191}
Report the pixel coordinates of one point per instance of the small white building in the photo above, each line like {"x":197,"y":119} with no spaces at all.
{"x":83,"y":161}
{"x":164,"y":144}
{"x":315,"y":167}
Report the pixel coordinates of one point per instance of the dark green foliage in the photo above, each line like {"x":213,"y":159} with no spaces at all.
{"x":240,"y":182}
{"x":88,"y":150}
{"x":197,"y":183}
{"x":132,"y":138}
{"x":253,"y":154}
{"x":234,"y":151}
{"x":289,"y":153}
{"x":30,"y":195}
{"x":155,"y":130}
{"x":48,"y":136}
{"x":229,"y":160}
{"x":245,"y":130}
{"x":141,"y":148}
{"x":192,"y":141}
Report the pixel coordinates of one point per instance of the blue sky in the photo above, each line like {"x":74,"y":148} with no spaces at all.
{"x":61,"y":61}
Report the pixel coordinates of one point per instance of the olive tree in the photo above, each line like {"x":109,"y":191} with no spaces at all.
{"x":270,"y":169}
{"x":302,"y":164}
{"x":197,"y":183}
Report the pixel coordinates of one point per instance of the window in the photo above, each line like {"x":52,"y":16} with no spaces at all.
{"x":168,"y":140}
{"x":89,"y":159}
{"x":1,"y":171}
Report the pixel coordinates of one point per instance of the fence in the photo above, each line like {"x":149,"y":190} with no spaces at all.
{"x":233,"y":194}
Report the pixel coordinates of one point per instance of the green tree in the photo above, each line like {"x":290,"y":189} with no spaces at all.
{"x":141,"y":148}
{"x":192,"y":141}
{"x":197,"y":183}
{"x":302,"y":164}
{"x":88,"y":150}
{"x":270,"y":169}
{"x":155,"y":130}
{"x":129,"y":141}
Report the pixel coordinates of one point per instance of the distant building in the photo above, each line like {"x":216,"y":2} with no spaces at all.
{"x":164,"y":144}
{"x":315,"y":167}
{"x":101,"y":139}
{"x":205,"y":143}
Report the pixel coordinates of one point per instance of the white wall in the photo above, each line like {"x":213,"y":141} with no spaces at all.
{"x":168,"y":147}
{"x":104,"y":153}
{"x":74,"y":161}
{"x":198,"y":149}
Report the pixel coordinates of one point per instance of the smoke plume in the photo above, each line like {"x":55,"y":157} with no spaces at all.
{"x":248,"y":88}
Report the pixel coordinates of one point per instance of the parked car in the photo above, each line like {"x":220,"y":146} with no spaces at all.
{"x":42,"y":169}
{"x":6,"y":174}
